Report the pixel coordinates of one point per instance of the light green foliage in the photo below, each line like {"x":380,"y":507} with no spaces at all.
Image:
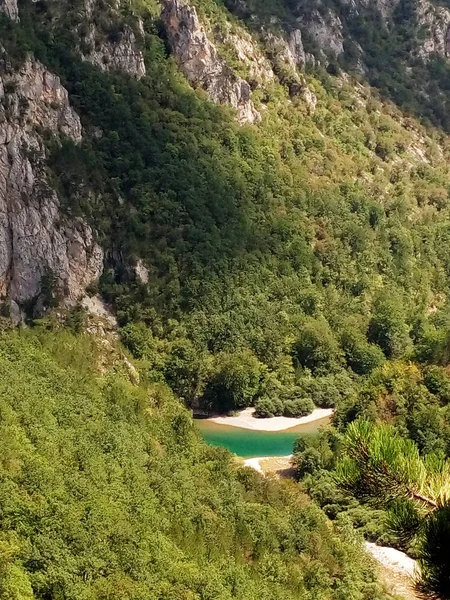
{"x":378,"y":462}
{"x":388,"y":327}
{"x":106,"y":491}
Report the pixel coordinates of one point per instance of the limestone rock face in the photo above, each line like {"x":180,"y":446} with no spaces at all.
{"x":200,"y":62}
{"x":326,"y":30}
{"x":34,"y":239}
{"x":259,"y":68}
{"x":436,"y":21}
{"x":119,"y":53}
{"x":290,"y":52}
{"x":10,"y":8}
{"x":290,"y":55}
{"x":103,"y":38}
{"x":296,"y":48}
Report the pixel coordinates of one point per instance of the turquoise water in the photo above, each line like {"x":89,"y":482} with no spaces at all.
{"x":249,"y":444}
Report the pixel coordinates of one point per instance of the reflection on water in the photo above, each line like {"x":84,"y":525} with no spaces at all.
{"x":249,"y":444}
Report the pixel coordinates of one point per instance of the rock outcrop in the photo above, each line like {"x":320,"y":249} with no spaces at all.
{"x":121,"y":53}
{"x":288,"y":58}
{"x":10,"y":8}
{"x":435,"y":20}
{"x":248,"y":54}
{"x":326,"y":30}
{"x":104,"y":39}
{"x":35,"y":241}
{"x":296,"y":49}
{"x":201,"y":63}
{"x":290,"y":52}
{"x":384,"y":7}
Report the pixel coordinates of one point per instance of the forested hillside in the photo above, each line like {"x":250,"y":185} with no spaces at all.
{"x":311,"y":245}
{"x":106,"y":492}
{"x":258,"y":193}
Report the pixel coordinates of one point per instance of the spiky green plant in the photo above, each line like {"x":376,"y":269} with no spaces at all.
{"x":377,"y":463}
{"x":434,"y":557}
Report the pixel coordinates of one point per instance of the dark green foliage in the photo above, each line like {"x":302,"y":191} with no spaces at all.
{"x":298,"y":408}
{"x":236,"y":384}
{"x":434,"y":555}
{"x":307,"y":462}
{"x":316,"y":348}
{"x":437,"y":382}
{"x":362,"y":357}
{"x":404,"y":519}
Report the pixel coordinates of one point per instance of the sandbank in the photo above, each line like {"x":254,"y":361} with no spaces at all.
{"x":246,"y":420}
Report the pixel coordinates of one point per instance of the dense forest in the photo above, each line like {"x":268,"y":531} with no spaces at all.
{"x":299,"y":262}
{"x":107,"y":492}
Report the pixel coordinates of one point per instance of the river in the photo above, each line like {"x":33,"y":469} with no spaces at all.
{"x":250,"y":444}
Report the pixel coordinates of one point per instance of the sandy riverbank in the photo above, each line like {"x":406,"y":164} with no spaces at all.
{"x":246,"y":420}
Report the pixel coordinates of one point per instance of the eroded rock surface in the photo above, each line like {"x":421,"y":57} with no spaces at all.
{"x":120,"y":52}
{"x":435,"y":20}
{"x":326,"y":30}
{"x":35,"y":242}
{"x":200,"y":62}
{"x":10,"y":8}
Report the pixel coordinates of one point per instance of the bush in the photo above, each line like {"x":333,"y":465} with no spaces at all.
{"x":298,"y":408}
{"x":264,"y":408}
{"x":307,"y":462}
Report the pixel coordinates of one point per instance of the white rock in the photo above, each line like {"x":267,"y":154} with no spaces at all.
{"x":10,"y":8}
{"x":34,"y":239}
{"x":200,"y":62}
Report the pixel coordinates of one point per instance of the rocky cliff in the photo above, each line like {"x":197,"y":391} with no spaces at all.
{"x":42,"y":254}
{"x":114,"y":49}
{"x":35,"y":242}
{"x":201,"y":63}
{"x":10,"y":8}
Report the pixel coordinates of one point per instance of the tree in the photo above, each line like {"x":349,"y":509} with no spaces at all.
{"x":387,"y":327}
{"x":316,"y":347}
{"x":361,"y":356}
{"x":379,"y":464}
{"x":307,"y":462}
{"x":237,"y":382}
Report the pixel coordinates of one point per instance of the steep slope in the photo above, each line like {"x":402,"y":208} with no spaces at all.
{"x":259,"y":191}
{"x":107,"y":492}
{"x":241,"y":260}
{"x":34,"y":245}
